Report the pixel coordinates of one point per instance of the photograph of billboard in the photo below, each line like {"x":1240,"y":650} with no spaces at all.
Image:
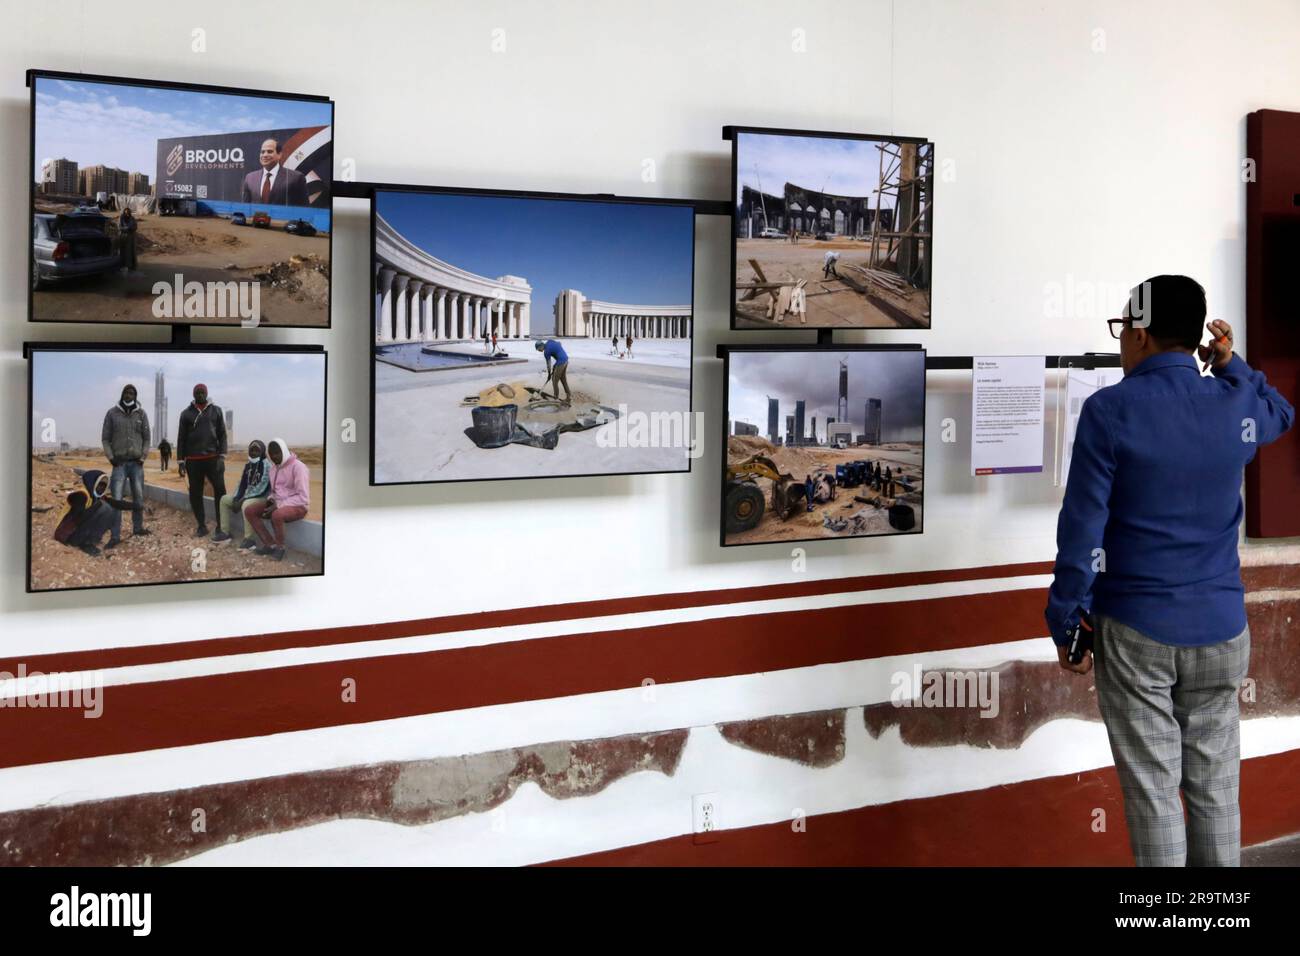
{"x":831,"y":230}
{"x":823,"y":442}
{"x":522,"y":335}
{"x":164,"y":466}
{"x":160,"y":203}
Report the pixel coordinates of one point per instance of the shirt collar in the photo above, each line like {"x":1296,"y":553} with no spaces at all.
{"x":1165,"y":360}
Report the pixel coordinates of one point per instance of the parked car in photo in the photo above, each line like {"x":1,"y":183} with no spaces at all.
{"x":770,"y":233}
{"x":238,"y":219}
{"x":71,"y":245}
{"x":300,"y":227}
{"x":262,"y":219}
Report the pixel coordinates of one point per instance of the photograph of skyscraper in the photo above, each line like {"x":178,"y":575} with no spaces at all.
{"x":861,"y":473}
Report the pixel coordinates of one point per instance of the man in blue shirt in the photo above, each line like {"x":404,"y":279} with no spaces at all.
{"x":558,"y":373}
{"x":1147,"y":543}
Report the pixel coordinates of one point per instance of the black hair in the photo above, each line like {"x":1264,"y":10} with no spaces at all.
{"x":1171,"y":309}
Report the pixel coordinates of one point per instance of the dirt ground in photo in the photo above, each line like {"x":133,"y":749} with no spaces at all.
{"x":294,"y":272}
{"x":164,"y":555}
{"x":905,"y":458}
{"x":830,"y":302}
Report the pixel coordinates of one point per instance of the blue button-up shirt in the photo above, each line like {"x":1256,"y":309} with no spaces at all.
{"x":1148,"y":530}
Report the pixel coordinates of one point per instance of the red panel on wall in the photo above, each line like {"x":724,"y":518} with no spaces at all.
{"x":1273,"y":310}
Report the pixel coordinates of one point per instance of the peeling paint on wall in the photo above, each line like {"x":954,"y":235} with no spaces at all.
{"x":159,"y":828}
{"x":815,"y":739}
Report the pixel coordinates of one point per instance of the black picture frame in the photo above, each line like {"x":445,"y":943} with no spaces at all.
{"x":371,"y":191}
{"x":726,"y":351}
{"x":29,"y":350}
{"x":732,"y":133}
{"x":34,"y":74}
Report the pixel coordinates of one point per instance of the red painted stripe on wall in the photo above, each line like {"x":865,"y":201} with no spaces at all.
{"x":106,"y":658}
{"x":198,"y":710}
{"x":1043,"y":822}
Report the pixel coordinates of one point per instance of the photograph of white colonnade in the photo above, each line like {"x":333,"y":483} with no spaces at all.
{"x":528,"y":336}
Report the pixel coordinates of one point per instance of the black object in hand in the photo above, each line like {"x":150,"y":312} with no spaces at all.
{"x":1080,"y":636}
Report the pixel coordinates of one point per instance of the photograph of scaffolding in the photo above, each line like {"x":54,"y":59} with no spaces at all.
{"x":832,"y":231}
{"x":823,"y":443}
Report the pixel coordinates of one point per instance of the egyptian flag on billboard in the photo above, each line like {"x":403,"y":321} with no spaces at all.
{"x":311,"y":152}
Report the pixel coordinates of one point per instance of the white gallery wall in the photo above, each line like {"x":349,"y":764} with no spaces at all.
{"x":1081,"y":146}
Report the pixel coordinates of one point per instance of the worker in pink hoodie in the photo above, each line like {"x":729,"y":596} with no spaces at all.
{"x":289,"y":496}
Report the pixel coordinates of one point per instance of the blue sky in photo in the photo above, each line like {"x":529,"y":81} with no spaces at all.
{"x":843,"y":167}
{"x":617,"y":252}
{"x":120,"y":125}
{"x":272,"y":395}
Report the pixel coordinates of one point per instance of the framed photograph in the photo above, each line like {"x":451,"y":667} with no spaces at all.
{"x":160,"y":203}
{"x":529,"y":335}
{"x":156,"y":465}
{"x":822,"y":441}
{"x":830,"y":230}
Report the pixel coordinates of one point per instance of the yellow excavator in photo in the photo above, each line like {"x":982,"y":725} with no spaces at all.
{"x":743,"y":503}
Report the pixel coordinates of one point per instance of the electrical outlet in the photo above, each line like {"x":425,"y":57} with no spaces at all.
{"x":704,"y":818}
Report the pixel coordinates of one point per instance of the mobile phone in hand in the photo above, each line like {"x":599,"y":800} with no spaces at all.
{"x":1080,"y":639}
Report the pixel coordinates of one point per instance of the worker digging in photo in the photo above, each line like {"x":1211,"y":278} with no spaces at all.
{"x":828,"y":265}
{"x":557,"y":367}
{"x":1148,"y":569}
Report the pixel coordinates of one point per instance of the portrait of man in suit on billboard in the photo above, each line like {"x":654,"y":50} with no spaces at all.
{"x":273,"y":183}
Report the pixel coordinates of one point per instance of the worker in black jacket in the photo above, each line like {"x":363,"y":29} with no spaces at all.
{"x":201,"y":454}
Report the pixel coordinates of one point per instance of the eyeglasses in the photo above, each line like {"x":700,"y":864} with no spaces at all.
{"x":1116,"y":326}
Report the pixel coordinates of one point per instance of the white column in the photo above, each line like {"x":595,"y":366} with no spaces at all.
{"x":440,"y":328}
{"x":399,"y":314}
{"x":512,"y":318}
{"x":413,"y":310}
{"x":430,"y":330}
{"x":453,"y":321}
{"x":384,"y":321}
{"x":524,"y":330}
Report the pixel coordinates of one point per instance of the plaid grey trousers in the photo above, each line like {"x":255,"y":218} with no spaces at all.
{"x":1173,"y":720}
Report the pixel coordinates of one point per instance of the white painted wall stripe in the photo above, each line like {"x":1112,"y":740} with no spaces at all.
{"x":482,"y":637}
